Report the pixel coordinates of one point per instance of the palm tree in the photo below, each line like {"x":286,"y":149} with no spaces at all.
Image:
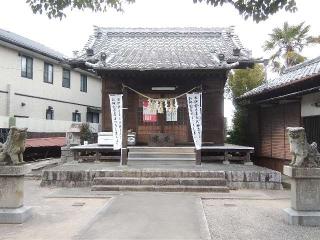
{"x":288,"y":42}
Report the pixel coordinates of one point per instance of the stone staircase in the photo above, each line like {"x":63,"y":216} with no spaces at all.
{"x":161,"y":153}
{"x":160,"y":180}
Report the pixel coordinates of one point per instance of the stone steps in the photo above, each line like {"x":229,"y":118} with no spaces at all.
{"x":157,"y":188}
{"x":161,"y":149}
{"x":159,"y":181}
{"x":154,"y":173}
{"x":161,"y":153}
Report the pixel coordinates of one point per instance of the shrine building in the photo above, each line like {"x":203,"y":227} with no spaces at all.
{"x":154,"y":69}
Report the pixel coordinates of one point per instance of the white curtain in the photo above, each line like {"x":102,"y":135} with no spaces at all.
{"x":116,"y":115}
{"x":195,"y":115}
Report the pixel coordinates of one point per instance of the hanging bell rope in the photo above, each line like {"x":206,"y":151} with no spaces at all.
{"x":161,"y":99}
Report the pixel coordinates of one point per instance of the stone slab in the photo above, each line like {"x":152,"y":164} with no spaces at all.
{"x":248,"y":163}
{"x":11,"y":191}
{"x":14,"y":170}
{"x":15,"y":215}
{"x":305,"y":194}
{"x":305,"y":188}
{"x":295,"y":172}
{"x":303,"y":218}
{"x":237,"y":175}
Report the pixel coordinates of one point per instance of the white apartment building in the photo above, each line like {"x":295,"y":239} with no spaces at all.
{"x":40,"y":91}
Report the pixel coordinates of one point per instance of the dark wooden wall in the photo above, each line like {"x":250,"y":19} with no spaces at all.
{"x":213,"y":110}
{"x":268,"y":132}
{"x":212,"y":83}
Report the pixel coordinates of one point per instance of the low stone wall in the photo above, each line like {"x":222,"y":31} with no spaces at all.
{"x":254,"y":180}
{"x":235,"y":179}
{"x":67,"y":178}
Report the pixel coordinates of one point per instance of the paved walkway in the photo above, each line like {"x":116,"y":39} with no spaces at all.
{"x":149,"y":216}
{"x":78,"y":213}
{"x":60,"y":213}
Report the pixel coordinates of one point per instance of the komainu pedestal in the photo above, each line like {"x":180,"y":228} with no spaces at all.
{"x":304,"y":171}
{"x":305,"y":196}
{"x":12,"y":209}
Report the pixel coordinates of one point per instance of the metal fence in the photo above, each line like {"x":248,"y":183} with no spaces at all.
{"x":3,"y":134}
{"x":312,"y":127}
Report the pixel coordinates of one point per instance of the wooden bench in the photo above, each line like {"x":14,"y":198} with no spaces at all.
{"x":97,"y":149}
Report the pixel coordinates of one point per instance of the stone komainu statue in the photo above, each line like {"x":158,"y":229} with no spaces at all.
{"x":303,"y":154}
{"x":12,"y":150}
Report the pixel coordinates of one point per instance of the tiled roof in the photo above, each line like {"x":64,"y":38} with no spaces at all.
{"x":291,"y":75}
{"x":162,"y":48}
{"x":46,"y":142}
{"x":26,"y":43}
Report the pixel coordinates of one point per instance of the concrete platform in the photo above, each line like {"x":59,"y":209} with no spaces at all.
{"x":238,"y":176}
{"x":303,"y":218}
{"x":15,"y":215}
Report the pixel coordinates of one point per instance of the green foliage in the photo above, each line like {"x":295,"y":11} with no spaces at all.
{"x":286,"y":43}
{"x":85,"y":132}
{"x":238,"y":134}
{"x":56,"y":8}
{"x":257,"y":9}
{"x":243,"y":80}
{"x":239,"y":82}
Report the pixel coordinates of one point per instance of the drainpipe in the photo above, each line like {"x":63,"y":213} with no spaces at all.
{"x":10,"y":105}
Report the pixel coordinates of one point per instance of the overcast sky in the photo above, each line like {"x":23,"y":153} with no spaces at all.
{"x":72,"y":32}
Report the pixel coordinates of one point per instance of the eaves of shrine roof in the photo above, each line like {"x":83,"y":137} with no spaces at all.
{"x":163,"y":49}
{"x":292,"y":75}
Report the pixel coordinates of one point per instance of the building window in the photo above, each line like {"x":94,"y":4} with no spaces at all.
{"x":49,"y":113}
{"x":93,"y":117}
{"x":26,"y":67}
{"x":48,"y":73}
{"x":66,"y":78}
{"x":76,"y":116}
{"x":83,"y":83}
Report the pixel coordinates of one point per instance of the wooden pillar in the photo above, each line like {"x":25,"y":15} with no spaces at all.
{"x":124,"y":149}
{"x":226,"y":158}
{"x":76,"y":155}
{"x":198,"y":156}
{"x":247,"y":160}
{"x":98,"y":155}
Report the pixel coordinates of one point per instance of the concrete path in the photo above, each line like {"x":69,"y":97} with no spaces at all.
{"x":78,"y":213}
{"x":149,"y":216}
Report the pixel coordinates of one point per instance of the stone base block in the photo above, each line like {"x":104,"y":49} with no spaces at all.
{"x":14,"y":215}
{"x":303,"y":218}
{"x":248,"y":163}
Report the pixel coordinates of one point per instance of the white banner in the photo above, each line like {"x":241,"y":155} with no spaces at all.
{"x":195,"y":115}
{"x":116,"y":115}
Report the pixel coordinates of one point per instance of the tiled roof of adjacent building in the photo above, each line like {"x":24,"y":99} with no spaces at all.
{"x":46,"y":142}
{"x":291,"y":75}
{"x":15,"y":39}
{"x":163,"y":48}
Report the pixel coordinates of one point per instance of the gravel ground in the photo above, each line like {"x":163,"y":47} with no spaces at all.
{"x":235,"y":219}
